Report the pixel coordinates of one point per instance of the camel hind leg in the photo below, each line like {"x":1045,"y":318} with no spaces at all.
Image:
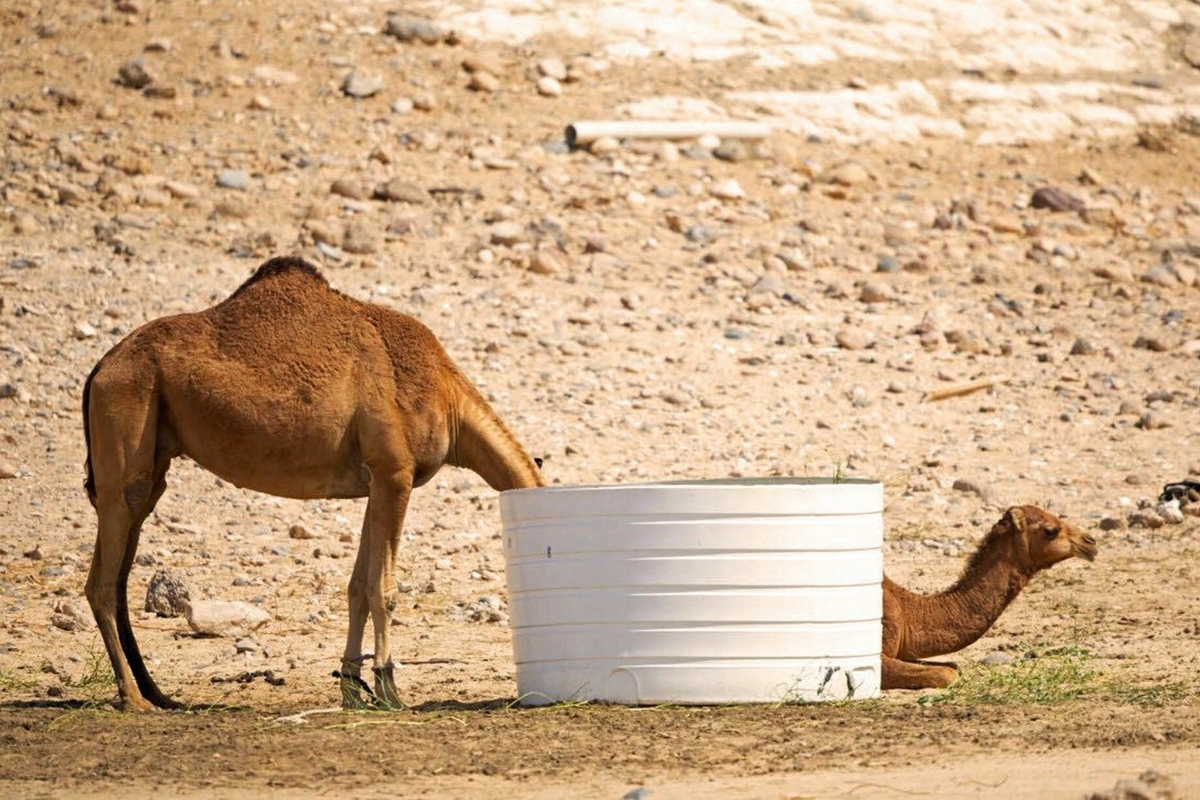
{"x":899,"y":674}
{"x":129,"y":479}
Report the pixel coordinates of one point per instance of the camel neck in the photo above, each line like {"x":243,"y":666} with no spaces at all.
{"x":482,"y":443}
{"x":950,"y":620}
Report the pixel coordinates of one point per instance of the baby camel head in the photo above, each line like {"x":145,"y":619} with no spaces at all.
{"x":1042,"y":539}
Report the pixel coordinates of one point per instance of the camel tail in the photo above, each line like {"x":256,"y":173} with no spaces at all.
{"x":89,"y":481}
{"x":485,"y":445}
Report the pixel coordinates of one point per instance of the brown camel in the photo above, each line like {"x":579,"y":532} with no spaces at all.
{"x":291,"y":388}
{"x":1025,"y":541}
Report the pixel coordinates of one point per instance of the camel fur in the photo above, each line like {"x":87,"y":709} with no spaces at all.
{"x":291,"y":388}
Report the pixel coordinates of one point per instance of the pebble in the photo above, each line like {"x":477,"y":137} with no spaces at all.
{"x":552,"y":68}
{"x":980,"y":490}
{"x":996,"y":658}
{"x":1083,"y":347}
{"x":233,"y":179}
{"x":483,"y":82}
{"x":853,"y":339}
{"x":400,"y":191}
{"x":478,"y":62}
{"x":604,"y":145}
{"x":403,"y":105}
{"x":83,"y":330}
{"x":135,"y":74}
{"x":26,"y":224}
{"x":181,"y":190}
{"x":549,"y":261}
{"x":1150,"y":421}
{"x":225,"y":617}
{"x":247,"y":645}
{"x":887,"y":264}
{"x":877,"y":293}
{"x":349,"y":187}
{"x":507,"y":233}
{"x":848,"y":173}
{"x":549,"y":87}
{"x":409,"y":29}
{"x":7,"y":471}
{"x":1145,"y":518}
{"x":168,"y":594}
{"x":1170,"y":512}
{"x":260,"y":102}
{"x":728,"y":190}
{"x":1055,"y":199}
{"x":361,"y":238}
{"x":424,"y":101}
{"x":733,"y":150}
{"x":362,"y":84}
{"x":1112,"y":524}
{"x":1151,"y":343}
{"x":298,"y":532}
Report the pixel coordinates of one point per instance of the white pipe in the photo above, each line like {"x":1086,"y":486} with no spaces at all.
{"x":585,"y":131}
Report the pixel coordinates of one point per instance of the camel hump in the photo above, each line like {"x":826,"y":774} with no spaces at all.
{"x":283,"y":266}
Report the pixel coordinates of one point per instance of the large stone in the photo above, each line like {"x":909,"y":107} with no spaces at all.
{"x":168,"y":594}
{"x":231,"y":618}
{"x":360,"y":84}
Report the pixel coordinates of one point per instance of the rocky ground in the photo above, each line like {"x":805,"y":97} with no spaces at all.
{"x":635,"y":311}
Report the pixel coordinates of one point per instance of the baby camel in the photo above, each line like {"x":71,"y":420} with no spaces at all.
{"x":290,"y":388}
{"x":1025,"y":541}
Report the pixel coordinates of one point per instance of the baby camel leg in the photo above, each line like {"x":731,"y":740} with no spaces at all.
{"x":385,"y":515}
{"x":351,"y":671}
{"x":899,"y":674}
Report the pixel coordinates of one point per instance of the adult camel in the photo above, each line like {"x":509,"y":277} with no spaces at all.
{"x":291,"y":388}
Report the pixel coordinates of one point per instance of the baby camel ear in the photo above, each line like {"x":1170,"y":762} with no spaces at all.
{"x":1017,"y":517}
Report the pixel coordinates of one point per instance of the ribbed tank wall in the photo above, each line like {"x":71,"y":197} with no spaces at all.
{"x":728,"y":591}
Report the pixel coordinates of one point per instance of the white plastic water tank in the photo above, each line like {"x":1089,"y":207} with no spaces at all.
{"x":723,"y":591}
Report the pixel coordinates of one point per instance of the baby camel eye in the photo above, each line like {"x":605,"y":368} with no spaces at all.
{"x":1051,"y":533}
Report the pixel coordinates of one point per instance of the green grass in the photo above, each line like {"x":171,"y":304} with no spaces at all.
{"x":11,"y":681}
{"x":1058,"y":675}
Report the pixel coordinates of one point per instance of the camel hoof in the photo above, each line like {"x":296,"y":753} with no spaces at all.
{"x":386,"y":696}
{"x":942,"y":677}
{"x":136,"y":705}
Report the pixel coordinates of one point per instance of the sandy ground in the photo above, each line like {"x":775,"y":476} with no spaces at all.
{"x":663,"y":314}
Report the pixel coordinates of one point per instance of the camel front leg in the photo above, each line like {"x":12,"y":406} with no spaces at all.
{"x":385,"y":514}
{"x":350,"y":674}
{"x":899,"y":674}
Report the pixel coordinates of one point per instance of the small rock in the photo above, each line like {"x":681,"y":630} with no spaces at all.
{"x":233,"y":179}
{"x":848,"y":173}
{"x":348,"y":187}
{"x":483,"y":82}
{"x":996,"y":659}
{"x":733,"y":150}
{"x":1083,"y":347}
{"x":1150,"y":785}
{"x":552,"y":68}
{"x":1055,"y":199}
{"x":980,"y":490}
{"x":549,"y":87}
{"x":168,"y":594}
{"x":71,"y":195}
{"x":135,"y":74}
{"x":64,"y":622}
{"x":549,"y":261}
{"x":1151,"y":343}
{"x":7,"y":472}
{"x":594,"y":243}
{"x":403,"y":105}
{"x":361,"y":238}
{"x":25,"y":224}
{"x":83,"y":330}
{"x":361,"y":84}
{"x":507,"y":233}
{"x":225,"y":618}
{"x":1145,"y":518}
{"x":1112,"y":524}
{"x":399,"y":191}
{"x":876,"y":293}
{"x":478,"y":62}
{"x":247,"y":645}
{"x":181,"y":191}
{"x":887,"y":264}
{"x":408,"y":29}
{"x":728,"y":190}
{"x":298,"y":532}
{"x":35,"y":554}
{"x":260,"y":102}
{"x":853,"y":339}
{"x":604,"y":145}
